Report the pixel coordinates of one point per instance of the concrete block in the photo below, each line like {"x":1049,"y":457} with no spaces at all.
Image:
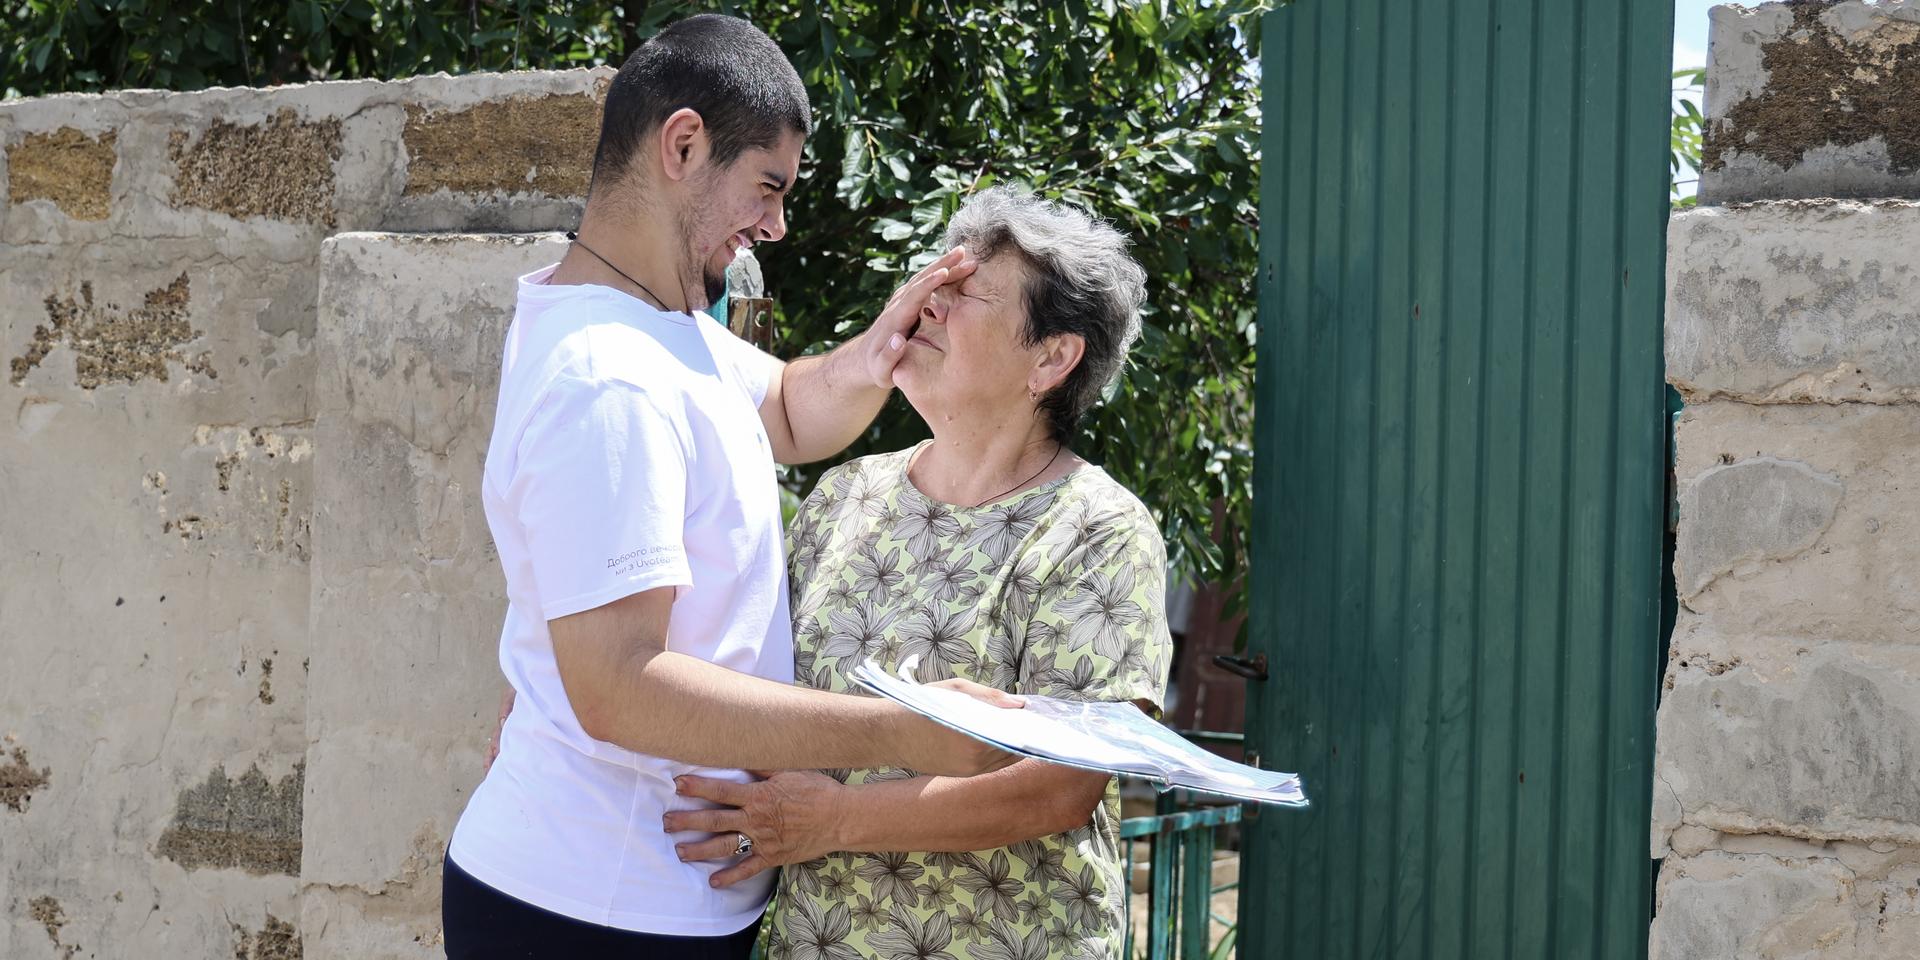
{"x":65,"y":166}
{"x":407,"y":593}
{"x":290,"y":165}
{"x":1812,"y":100}
{"x":1795,"y":301}
{"x":1722,"y":907}
{"x":1730,"y":905}
{"x":1817,"y":741}
{"x":155,"y":464}
{"x":1756,"y":509}
{"x":159,"y":276}
{"x":1801,"y":521}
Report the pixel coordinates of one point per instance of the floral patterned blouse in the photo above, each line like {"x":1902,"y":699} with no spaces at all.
{"x":1059,"y":591}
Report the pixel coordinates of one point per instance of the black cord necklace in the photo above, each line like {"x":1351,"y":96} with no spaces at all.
{"x":575,"y":238}
{"x":1057,"y":450}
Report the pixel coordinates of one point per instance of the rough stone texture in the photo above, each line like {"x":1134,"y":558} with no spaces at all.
{"x":1859,"y":580}
{"x":278,"y":940}
{"x":1747,"y":511}
{"x":1792,"y":738}
{"x":139,"y":597}
{"x":294,"y":164}
{"x":111,"y":345}
{"x":158,"y":459}
{"x":524,"y":144}
{"x":281,"y":169}
{"x":1795,"y":301}
{"x":1761,"y":898}
{"x":66,"y":166}
{"x":1812,"y":100}
{"x":48,"y":912}
{"x":18,"y":781}
{"x":407,"y":588}
{"x":1792,"y":703}
{"x":247,"y":823}
{"x":1787,"y":744}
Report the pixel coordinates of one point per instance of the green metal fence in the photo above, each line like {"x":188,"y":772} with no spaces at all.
{"x":1180,"y":909}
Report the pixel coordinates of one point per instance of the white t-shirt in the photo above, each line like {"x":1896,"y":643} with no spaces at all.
{"x":627,"y":455}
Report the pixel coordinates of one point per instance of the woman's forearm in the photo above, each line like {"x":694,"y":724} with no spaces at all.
{"x":1029,"y":799}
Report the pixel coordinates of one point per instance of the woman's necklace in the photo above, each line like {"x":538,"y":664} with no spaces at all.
{"x":1058,"y":449}
{"x":575,"y":237}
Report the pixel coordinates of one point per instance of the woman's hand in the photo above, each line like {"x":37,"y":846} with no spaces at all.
{"x":792,"y":817}
{"x":493,"y":746}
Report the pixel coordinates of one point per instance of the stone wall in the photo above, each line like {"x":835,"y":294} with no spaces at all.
{"x":170,"y":494}
{"x":1787,"y":775}
{"x":407,"y":592}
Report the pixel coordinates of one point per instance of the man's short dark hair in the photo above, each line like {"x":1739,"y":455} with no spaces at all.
{"x":722,"y":67}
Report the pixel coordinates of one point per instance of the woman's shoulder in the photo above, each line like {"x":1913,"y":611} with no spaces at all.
{"x":1108,"y":502}
{"x":861,"y":476}
{"x":1097,"y":511}
{"x":873,"y":466}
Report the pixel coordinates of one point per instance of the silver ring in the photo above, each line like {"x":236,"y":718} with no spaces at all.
{"x":744,"y":847}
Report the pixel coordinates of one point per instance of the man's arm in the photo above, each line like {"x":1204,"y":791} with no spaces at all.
{"x":815,"y":406}
{"x":628,"y":689}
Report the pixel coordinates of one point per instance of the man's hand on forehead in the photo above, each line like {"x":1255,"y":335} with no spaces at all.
{"x":886,"y":340}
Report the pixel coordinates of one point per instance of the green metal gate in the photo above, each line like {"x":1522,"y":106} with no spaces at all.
{"x":1459,"y":485}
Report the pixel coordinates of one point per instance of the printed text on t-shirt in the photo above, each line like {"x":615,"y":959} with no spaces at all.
{"x":634,"y":561}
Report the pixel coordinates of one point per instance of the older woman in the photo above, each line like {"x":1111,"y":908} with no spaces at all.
{"x":991,"y":553}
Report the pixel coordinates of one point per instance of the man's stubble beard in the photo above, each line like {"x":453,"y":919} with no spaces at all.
{"x":697,"y":274}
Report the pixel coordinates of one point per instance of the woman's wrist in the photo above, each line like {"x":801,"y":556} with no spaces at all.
{"x":842,"y":819}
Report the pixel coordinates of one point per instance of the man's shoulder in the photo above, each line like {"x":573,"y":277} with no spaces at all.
{"x":599,"y":342}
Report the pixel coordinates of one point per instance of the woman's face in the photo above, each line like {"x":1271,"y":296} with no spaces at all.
{"x":967,"y":352}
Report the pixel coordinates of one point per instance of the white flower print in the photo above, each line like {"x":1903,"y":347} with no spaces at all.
{"x":876,"y":574}
{"x":813,"y":935}
{"x":1002,"y":662}
{"x":1083,"y":898}
{"x":892,"y":875}
{"x":1099,"y":610}
{"x":1004,"y":527}
{"x":1022,"y":586}
{"x":924,"y":524}
{"x":1006,"y":594}
{"x":943,"y":579}
{"x":1004,"y":942}
{"x":858,"y":633}
{"x":940,"y":633}
{"x":992,"y":886}
{"x":908,"y":938}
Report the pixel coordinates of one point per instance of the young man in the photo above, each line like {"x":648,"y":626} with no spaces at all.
{"x":629,"y":486}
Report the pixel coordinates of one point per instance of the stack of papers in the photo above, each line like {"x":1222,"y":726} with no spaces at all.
{"x":1109,"y":737}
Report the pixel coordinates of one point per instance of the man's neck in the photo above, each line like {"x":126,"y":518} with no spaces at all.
{"x":637,"y":255}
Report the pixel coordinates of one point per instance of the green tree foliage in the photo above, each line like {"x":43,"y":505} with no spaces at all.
{"x":1683,"y":159}
{"x":1145,"y":111}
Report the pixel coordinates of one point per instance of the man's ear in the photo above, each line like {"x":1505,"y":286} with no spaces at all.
{"x":1059,"y":355}
{"x":683,"y":143}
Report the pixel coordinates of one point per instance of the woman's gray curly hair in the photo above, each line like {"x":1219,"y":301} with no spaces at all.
{"x":1080,"y":281}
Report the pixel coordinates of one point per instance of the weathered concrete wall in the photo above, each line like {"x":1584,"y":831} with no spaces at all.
{"x":1812,"y":100}
{"x":159,"y":270}
{"x":1787,"y":771}
{"x":407,"y":591}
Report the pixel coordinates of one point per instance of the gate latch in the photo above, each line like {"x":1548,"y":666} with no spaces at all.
{"x":1254,"y":669}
